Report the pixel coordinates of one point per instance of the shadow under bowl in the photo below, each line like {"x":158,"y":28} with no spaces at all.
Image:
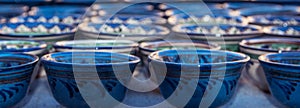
{"x":211,"y":69}
{"x":15,"y":76}
{"x":69,"y":72}
{"x":282,"y":73}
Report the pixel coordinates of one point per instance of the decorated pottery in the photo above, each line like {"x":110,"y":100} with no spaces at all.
{"x":129,"y":19}
{"x":15,"y":74}
{"x":61,"y":67}
{"x":285,"y":32}
{"x":120,"y":46}
{"x":282,"y":73}
{"x":256,"y":47}
{"x":228,"y":36}
{"x":36,"y":31}
{"x":12,"y":10}
{"x":145,"y":48}
{"x":117,"y":31}
{"x":20,"y":46}
{"x":64,"y":19}
{"x":205,"y":20}
{"x":268,"y":20}
{"x":57,"y":10}
{"x":207,"y":67}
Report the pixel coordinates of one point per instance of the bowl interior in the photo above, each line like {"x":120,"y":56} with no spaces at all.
{"x":20,"y":45}
{"x":88,"y":58}
{"x":291,"y":58}
{"x":163,"y":45}
{"x":197,"y":56}
{"x":10,"y":60}
{"x":273,"y":44}
{"x":95,"y":43}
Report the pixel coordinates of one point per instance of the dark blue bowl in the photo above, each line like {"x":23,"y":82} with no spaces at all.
{"x":284,"y":31}
{"x":50,"y":31}
{"x":58,"y":10}
{"x":59,"y":68}
{"x":12,"y":10}
{"x":183,"y":65}
{"x":263,"y":10}
{"x":15,"y":76}
{"x":282,"y":73}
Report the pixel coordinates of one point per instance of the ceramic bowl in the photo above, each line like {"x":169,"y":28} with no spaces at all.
{"x":28,"y":47}
{"x":282,"y":73}
{"x":57,"y":10}
{"x":129,"y":19}
{"x":59,"y":68}
{"x":186,"y":65}
{"x":205,"y":19}
{"x":146,"y":48}
{"x":243,"y":5}
{"x":256,"y":47}
{"x":262,"y":10}
{"x":64,"y":19}
{"x":285,"y":32}
{"x":231,"y":34}
{"x":272,"y":20}
{"x":123,"y":31}
{"x":196,"y":11}
{"x":48,"y":32}
{"x":15,"y":74}
{"x":119,"y":46}
{"x":12,"y":10}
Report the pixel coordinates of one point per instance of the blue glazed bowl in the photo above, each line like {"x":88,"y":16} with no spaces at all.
{"x":59,"y":69}
{"x":256,"y":47}
{"x":283,"y":31}
{"x":12,"y":10}
{"x":282,"y":73}
{"x":28,"y":47}
{"x":64,"y":19}
{"x":36,"y":31}
{"x":57,"y":10}
{"x":15,"y":75}
{"x":182,"y":65}
{"x":131,"y":32}
{"x":231,"y":34}
{"x":269,"y":20}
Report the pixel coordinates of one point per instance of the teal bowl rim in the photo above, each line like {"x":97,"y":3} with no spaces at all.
{"x":35,"y":59}
{"x":47,"y":59}
{"x":245,"y":60}
{"x":264,"y":58}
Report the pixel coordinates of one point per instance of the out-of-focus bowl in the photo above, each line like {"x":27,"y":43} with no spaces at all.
{"x":283,"y":31}
{"x":119,"y":46}
{"x":206,"y":19}
{"x":59,"y":68}
{"x":12,"y":10}
{"x":203,"y":65}
{"x":20,"y":46}
{"x":271,"y":20}
{"x":256,"y":47}
{"x":282,"y":73}
{"x":114,"y":31}
{"x":129,"y":19}
{"x":15,"y":76}
{"x":145,"y":48}
{"x":64,"y":19}
{"x":228,"y":36}
{"x":57,"y":10}
{"x":48,"y":32}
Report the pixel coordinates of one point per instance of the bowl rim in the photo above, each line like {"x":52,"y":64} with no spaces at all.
{"x":46,"y":58}
{"x":144,"y":45}
{"x":42,"y":45}
{"x":156,"y":19}
{"x":245,"y":59}
{"x":35,"y":59}
{"x":264,"y":58}
{"x":165,"y":30}
{"x":245,"y":43}
{"x":72,"y":27}
{"x":256,"y":32}
{"x":69,"y":44}
{"x":253,"y":19}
